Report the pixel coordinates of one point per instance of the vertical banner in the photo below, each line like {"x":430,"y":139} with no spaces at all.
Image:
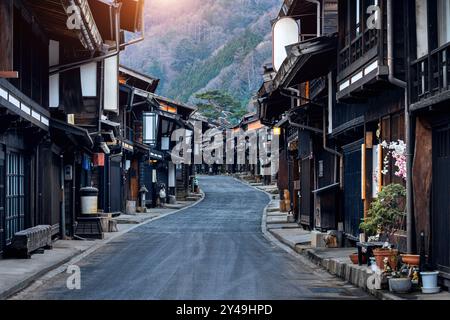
{"x":53,"y":81}
{"x":171,"y":175}
{"x":111,"y":84}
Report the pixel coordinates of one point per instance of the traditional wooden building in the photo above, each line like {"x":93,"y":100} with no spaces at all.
{"x":31,"y":170}
{"x":173,"y":115}
{"x":429,"y":91}
{"x":137,"y":159}
{"x":148,"y":122}
{"x":203,"y":123}
{"x":339,"y":93}
{"x":67,"y":88}
{"x":249,"y":128}
{"x":84,"y":101}
{"x":371,"y":98}
{"x":302,"y":89}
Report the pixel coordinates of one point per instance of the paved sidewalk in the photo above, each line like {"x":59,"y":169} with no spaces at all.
{"x":17,"y":274}
{"x":334,"y":260}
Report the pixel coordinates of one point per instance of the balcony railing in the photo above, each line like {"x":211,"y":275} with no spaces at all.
{"x":431,"y":74}
{"x":358,"y":48}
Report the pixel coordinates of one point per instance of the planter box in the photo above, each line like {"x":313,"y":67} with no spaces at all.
{"x":401,"y":285}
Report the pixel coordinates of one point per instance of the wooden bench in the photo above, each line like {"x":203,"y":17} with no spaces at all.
{"x":25,"y":242}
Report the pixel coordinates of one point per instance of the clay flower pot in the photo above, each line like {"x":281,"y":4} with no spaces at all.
{"x":354,"y":258}
{"x":411,"y":259}
{"x":381,"y":254}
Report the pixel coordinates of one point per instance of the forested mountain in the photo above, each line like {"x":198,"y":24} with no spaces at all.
{"x":195,"y":46}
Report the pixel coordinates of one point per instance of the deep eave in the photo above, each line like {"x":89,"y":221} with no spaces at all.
{"x":53,"y":18}
{"x":185,"y":109}
{"x":137,"y":79}
{"x":80,"y":134}
{"x":296,"y":7}
{"x":306,"y":61}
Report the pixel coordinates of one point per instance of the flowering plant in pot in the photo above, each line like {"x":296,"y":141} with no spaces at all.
{"x":385,"y":217}
{"x":397,"y":151}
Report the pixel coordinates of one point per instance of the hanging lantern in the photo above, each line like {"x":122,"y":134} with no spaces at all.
{"x":99,"y":159}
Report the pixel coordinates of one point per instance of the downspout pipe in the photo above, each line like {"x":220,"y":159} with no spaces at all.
{"x":319,"y":14}
{"x":63,"y":200}
{"x":393,"y":80}
{"x":339,"y":155}
{"x":390,"y":46}
{"x":325,"y":147}
{"x":305,"y":127}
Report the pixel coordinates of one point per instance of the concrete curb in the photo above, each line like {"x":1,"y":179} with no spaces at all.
{"x":39,"y":278}
{"x":353,"y":274}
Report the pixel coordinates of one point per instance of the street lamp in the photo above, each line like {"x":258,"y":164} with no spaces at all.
{"x":277,"y":131}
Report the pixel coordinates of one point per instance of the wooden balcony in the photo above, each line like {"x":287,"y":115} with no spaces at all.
{"x":430,"y":78}
{"x":360,"y":64}
{"x":363,"y":46}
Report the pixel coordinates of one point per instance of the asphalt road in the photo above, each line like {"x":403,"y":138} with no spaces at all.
{"x":214,"y":250}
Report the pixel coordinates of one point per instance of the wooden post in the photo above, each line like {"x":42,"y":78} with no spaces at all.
{"x":363,"y":179}
{"x":369,"y":140}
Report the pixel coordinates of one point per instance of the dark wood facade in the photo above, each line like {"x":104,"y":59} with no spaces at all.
{"x":369,"y":108}
{"x":29,"y":161}
{"x":52,"y":127}
{"x":340,"y":112}
{"x":389,"y":83}
{"x":429,"y":87}
{"x":150,"y":164}
{"x":302,"y":84}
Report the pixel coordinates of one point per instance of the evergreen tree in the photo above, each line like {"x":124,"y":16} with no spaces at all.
{"x":220,"y":105}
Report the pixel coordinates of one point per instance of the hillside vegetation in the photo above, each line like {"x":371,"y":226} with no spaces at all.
{"x":196,"y":46}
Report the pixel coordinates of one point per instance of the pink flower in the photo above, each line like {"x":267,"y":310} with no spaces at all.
{"x":397,"y":150}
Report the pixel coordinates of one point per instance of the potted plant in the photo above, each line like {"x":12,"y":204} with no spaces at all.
{"x":430,"y":282}
{"x":400,"y":281}
{"x":354,"y":258}
{"x":411,"y":259}
{"x":385,"y":217}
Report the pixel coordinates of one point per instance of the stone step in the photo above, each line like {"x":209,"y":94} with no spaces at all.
{"x":276,"y":219}
{"x":256,"y":184}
